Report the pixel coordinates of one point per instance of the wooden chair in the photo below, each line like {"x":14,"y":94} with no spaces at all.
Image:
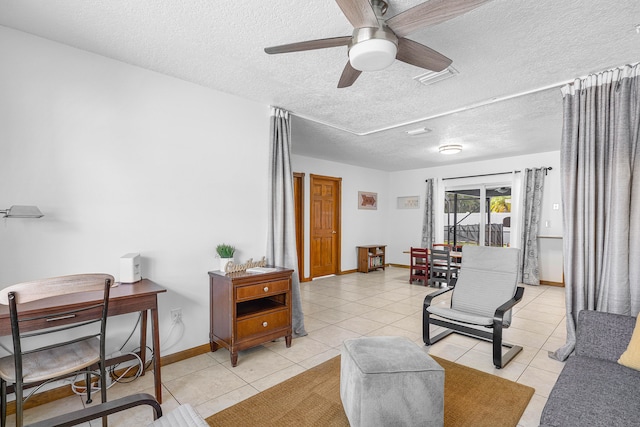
{"x":441,"y":246}
{"x":440,"y":271}
{"x":51,"y":347}
{"x":484,"y":294}
{"x":419,"y":265}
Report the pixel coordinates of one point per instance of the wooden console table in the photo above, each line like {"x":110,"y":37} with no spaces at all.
{"x":249,"y":309}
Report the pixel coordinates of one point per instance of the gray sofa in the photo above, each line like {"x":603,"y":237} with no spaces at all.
{"x":593,"y":389}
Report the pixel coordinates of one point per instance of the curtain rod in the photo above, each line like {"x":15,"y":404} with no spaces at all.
{"x":491,"y":174}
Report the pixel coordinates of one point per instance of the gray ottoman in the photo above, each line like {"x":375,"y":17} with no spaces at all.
{"x":390,"y":381}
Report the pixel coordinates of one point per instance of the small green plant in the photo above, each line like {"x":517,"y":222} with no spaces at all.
{"x":225,"y":251}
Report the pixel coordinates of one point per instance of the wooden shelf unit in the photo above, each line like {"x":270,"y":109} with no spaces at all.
{"x":371,"y":258}
{"x":249,"y":309}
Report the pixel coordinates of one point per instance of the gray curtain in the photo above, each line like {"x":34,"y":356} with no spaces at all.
{"x":533,"y":186}
{"x":427,"y":220}
{"x":601,"y":196}
{"x":281,"y":239}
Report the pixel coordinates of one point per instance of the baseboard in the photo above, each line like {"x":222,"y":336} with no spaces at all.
{"x":185,"y":354}
{"x":400,"y":265}
{"x":61,"y":392}
{"x":347,"y":272}
{"x":548,"y":283}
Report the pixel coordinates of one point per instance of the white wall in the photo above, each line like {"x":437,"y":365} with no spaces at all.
{"x":359,"y":226}
{"x":120,"y":159}
{"x":405,"y":225}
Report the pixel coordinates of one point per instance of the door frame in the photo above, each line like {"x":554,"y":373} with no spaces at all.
{"x":338,"y":223}
{"x":298,"y":204}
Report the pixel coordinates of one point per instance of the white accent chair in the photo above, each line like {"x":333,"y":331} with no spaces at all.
{"x":484,"y":293}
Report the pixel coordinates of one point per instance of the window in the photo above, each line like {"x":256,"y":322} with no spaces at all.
{"x":467,"y":210}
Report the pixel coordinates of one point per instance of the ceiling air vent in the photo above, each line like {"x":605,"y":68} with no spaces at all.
{"x":431,"y":77}
{"x":416,"y":132}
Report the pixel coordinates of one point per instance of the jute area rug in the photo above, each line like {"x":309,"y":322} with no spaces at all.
{"x":312,"y":398}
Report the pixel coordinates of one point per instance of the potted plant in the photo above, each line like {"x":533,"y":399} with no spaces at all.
{"x":225,"y":252}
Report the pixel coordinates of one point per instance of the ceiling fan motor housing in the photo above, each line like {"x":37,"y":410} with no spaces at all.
{"x":372,"y":49}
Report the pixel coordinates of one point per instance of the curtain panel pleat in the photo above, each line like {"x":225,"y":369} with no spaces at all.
{"x":533,"y":186}
{"x":600,"y":182}
{"x":428,"y":218}
{"x":281,"y":239}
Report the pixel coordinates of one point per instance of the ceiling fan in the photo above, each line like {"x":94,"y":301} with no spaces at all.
{"x":376,"y":42}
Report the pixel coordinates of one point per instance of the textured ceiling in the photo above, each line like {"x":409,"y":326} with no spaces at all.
{"x":501,"y":50}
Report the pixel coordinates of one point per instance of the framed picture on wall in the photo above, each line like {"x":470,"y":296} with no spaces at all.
{"x":409,"y":202}
{"x":367,"y":200}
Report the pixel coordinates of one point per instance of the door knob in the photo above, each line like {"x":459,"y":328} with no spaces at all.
{"x":333,"y":232}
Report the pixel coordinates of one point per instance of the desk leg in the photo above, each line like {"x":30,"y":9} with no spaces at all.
{"x":143,"y":339}
{"x":155,"y":333}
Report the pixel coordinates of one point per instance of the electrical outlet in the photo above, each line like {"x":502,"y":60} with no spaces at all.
{"x":176,"y":315}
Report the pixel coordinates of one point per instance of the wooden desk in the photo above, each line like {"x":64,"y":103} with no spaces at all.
{"x":124,"y":298}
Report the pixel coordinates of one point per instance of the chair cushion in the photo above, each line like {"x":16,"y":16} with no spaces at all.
{"x":486,"y":280}
{"x":45,"y":364}
{"x":460,"y":316}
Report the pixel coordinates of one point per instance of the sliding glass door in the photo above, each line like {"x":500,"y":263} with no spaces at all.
{"x":478,"y":215}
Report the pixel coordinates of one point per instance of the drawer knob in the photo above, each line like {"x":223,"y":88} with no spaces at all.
{"x":265,"y":324}
{"x":266,"y":289}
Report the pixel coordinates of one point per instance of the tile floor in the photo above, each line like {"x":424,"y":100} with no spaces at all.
{"x":341,"y":307}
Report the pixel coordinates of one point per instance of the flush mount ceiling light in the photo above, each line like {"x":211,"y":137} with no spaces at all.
{"x":450,"y":149}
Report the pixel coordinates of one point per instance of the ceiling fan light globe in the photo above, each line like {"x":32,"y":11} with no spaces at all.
{"x":372,"y":55}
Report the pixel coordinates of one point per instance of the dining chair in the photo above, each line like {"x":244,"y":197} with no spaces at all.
{"x":419,"y":265}
{"x":441,"y":246}
{"x":440,"y":269}
{"x":50,"y":346}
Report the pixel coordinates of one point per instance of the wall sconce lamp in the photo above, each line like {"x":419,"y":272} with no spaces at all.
{"x":22,"y":212}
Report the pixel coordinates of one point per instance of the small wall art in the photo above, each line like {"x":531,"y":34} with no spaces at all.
{"x":367,"y":200}
{"x":409,"y":202}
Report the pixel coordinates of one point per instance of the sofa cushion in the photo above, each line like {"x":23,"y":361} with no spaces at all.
{"x":603,"y":335}
{"x":631,"y":357}
{"x":593,"y":392}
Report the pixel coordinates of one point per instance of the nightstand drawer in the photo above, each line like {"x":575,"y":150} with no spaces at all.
{"x":262,"y":323}
{"x":262,"y":289}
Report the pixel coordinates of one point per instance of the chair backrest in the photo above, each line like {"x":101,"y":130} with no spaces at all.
{"x":54,"y":286}
{"x":419,"y":255}
{"x":487,"y":279}
{"x":440,"y":266}
{"x":34,"y":324}
{"x":441,"y":246}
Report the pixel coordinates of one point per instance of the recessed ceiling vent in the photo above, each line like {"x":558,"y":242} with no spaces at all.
{"x":431,"y":77}
{"x":417,"y":132}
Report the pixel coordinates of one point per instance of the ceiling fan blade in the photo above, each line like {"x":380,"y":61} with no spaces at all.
{"x":359,"y":13}
{"x":349,"y":76}
{"x":421,"y":56}
{"x":430,"y":13}
{"x":309,"y":45}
